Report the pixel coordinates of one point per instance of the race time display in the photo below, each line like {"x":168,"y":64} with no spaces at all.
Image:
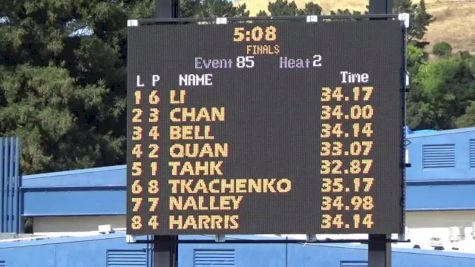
{"x":265,"y":128}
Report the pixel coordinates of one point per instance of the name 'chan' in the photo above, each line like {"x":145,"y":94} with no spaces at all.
{"x":184,"y":114}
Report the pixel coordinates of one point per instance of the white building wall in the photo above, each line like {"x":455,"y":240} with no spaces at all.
{"x":433,"y":228}
{"x":75,"y":225}
{"x":434,"y":219}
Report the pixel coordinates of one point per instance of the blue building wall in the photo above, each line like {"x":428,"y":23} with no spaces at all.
{"x":442,"y":177}
{"x":67,"y":252}
{"x":442,"y":155}
{"x":96,"y":191}
{"x":442,"y":172}
{"x":311,"y":255}
{"x":112,"y":251}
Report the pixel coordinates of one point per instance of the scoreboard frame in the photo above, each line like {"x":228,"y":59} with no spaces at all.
{"x":249,"y":35}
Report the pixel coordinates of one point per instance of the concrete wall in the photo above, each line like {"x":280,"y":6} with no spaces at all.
{"x":73,"y":224}
{"x":434,"y":219}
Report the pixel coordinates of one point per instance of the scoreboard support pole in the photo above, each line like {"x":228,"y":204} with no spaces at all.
{"x":379,"y":246}
{"x":379,"y":251}
{"x":167,"y":8}
{"x":165,"y":251}
{"x":380,"y":6}
{"x":165,"y":248}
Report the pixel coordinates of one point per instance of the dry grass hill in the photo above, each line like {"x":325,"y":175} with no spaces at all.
{"x":455,"y":19}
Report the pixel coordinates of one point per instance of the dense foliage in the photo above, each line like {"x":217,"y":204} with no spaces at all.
{"x":442,"y":49}
{"x":418,"y":16}
{"x":442,"y":91}
{"x":62,"y":81}
{"x":286,"y":8}
{"x":62,"y":75}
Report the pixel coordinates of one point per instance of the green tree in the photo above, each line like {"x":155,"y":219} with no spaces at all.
{"x":48,"y":109}
{"x":404,"y":6}
{"x":416,"y":57}
{"x":418,"y":16}
{"x":286,"y":8}
{"x":442,"y":49}
{"x":62,"y":86}
{"x":441,"y":91}
{"x":211,"y":8}
{"x":283,"y":8}
{"x":345,"y":12}
{"x":467,"y":119}
{"x":143,"y":8}
{"x":421,"y":21}
{"x":221,"y":8}
{"x":312,"y":9}
{"x":190,"y":8}
{"x":261,"y":13}
{"x":63,"y":78}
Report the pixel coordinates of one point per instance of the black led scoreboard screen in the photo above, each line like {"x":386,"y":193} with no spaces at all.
{"x":265,"y":128}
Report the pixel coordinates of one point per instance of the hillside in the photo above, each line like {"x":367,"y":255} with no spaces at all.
{"x":455,"y":23}
{"x":455,"y":19}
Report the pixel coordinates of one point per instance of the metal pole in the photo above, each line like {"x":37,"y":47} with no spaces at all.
{"x":379,"y":246}
{"x":167,"y":8}
{"x":165,"y":248}
{"x":380,"y":6}
{"x":379,"y":251}
{"x":165,"y":251}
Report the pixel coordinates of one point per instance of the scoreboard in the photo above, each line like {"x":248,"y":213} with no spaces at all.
{"x":265,"y":128}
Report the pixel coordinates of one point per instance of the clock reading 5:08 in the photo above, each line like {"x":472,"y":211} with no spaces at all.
{"x":255,"y":34}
